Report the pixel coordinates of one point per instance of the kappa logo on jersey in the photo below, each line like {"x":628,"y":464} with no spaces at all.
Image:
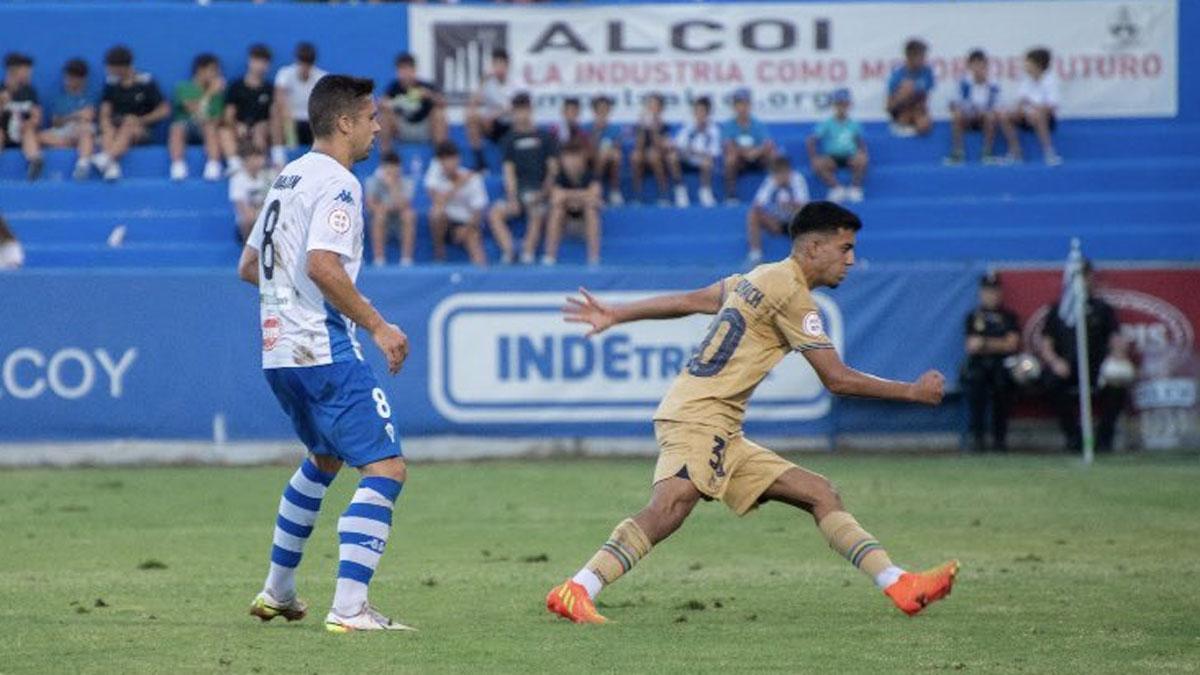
{"x":344,"y":196}
{"x":812,"y":324}
{"x":339,"y":221}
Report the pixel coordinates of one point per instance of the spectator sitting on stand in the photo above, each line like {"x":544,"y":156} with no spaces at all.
{"x":1036,"y":109}
{"x":199,"y":107}
{"x":489,"y":113}
{"x":73,"y":118}
{"x":130,"y":105}
{"x":412,"y":110}
{"x":606,"y":146}
{"x":459,"y":199}
{"x":389,"y":201}
{"x":652,"y":147}
{"x":530,"y":164}
{"x":838,"y":143}
{"x":250,"y":113}
{"x":908,"y":92}
{"x":782,"y":194}
{"x":248,"y":186}
{"x":12,"y":255}
{"x":20,"y":114}
{"x":697,"y":147}
{"x":575,"y":203}
{"x":974,"y":109}
{"x":748,"y":144}
{"x":293,"y":85}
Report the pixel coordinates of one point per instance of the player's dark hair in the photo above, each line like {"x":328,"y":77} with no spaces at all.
{"x":248,"y":148}
{"x":781,"y":163}
{"x":1040,"y":56}
{"x":334,"y":96}
{"x":522,"y":100}
{"x":704,"y":102}
{"x":600,"y":100}
{"x":823,"y":217}
{"x":260,"y":51}
{"x":203,"y":61}
{"x":76,"y":68}
{"x":389,"y":157}
{"x":915,"y":47}
{"x":13,"y":59}
{"x":118,"y":55}
{"x":446,"y":148}
{"x":976,"y":55}
{"x":573,"y":146}
{"x":406,"y":59}
{"x":500,"y":54}
{"x":571,"y":100}
{"x":306,"y":53}
{"x":655,"y":96}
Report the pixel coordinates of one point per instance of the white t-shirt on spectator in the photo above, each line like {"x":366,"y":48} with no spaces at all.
{"x":250,"y":188}
{"x":1043,"y":92}
{"x":463,"y":202}
{"x":12,"y":255}
{"x":693,"y":140}
{"x":496,"y":95}
{"x":298,"y":91}
{"x":781,"y":201}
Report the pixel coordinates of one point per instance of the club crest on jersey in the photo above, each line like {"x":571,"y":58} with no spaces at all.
{"x":344,"y":196}
{"x":812,"y":324}
{"x":271,"y":331}
{"x":339,"y":221}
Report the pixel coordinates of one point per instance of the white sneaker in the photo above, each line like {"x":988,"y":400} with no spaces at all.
{"x":706,"y":197}
{"x":681,"y":197}
{"x":101,"y":161}
{"x":615,"y":198}
{"x":1053,"y":159}
{"x":179,"y":170}
{"x":267,"y":607}
{"x":406,"y":262}
{"x":368,"y":619}
{"x":836,"y":194}
{"x":232,"y":166}
{"x":901,"y":130}
{"x":854,"y":194}
{"x":112,"y":172}
{"x":506,"y":258}
{"x":548,"y":261}
{"x":526,"y":258}
{"x":83,"y":169}
{"x":212,"y":170}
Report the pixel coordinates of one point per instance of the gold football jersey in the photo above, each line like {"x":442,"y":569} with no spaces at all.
{"x":764,"y":314}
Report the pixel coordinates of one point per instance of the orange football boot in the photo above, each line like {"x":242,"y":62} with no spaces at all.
{"x":914,"y":591}
{"x":570,"y":601}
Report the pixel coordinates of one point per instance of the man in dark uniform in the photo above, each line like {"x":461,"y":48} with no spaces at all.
{"x":1057,"y":351}
{"x":992,"y":335}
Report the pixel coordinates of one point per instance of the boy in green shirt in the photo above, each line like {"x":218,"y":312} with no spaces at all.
{"x":837,"y":143}
{"x":198,"y":104}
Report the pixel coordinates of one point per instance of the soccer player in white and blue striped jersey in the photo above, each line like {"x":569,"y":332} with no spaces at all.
{"x":304,"y":255}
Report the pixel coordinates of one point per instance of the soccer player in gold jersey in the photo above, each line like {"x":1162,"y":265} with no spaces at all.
{"x":761,"y":316}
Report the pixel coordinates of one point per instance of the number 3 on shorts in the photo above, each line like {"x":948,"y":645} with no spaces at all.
{"x":381,"y":403}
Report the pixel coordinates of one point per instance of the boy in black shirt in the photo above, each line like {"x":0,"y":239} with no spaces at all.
{"x":412,"y":110}
{"x":530,"y":163}
{"x":575,"y":201}
{"x":20,"y":114}
{"x":249,"y":107}
{"x":130,"y":105}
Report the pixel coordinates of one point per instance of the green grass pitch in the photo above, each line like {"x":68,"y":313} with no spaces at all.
{"x":1065,"y":570}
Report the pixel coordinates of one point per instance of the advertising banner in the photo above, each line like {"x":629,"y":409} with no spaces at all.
{"x":1113,"y":58}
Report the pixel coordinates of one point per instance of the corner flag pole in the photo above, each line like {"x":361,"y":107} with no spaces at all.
{"x":1079,"y":299}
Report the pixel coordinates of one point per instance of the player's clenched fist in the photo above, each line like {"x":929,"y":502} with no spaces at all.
{"x":393,"y":343}
{"x":929,"y":388}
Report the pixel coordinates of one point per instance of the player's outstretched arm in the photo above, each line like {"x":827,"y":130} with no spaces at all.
{"x":248,"y":266}
{"x":843,"y":380}
{"x":325,"y":269}
{"x":602,"y":316}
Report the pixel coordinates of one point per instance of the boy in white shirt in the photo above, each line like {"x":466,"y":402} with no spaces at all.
{"x":1036,"y":107}
{"x":459,"y":199}
{"x":293,"y":86}
{"x":782,"y":194}
{"x":697,"y":146}
{"x":248,"y":187}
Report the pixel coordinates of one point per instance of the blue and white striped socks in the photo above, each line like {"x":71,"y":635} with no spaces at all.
{"x":297,"y":512}
{"x":363,"y":532}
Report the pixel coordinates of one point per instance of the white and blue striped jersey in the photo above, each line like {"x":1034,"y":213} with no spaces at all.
{"x":976,"y":97}
{"x":784,"y":200}
{"x":314,"y":204}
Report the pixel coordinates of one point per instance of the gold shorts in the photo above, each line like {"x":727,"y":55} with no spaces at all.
{"x":727,"y":467}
